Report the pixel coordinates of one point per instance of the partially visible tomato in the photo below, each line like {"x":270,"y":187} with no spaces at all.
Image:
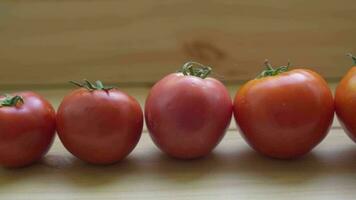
{"x":98,"y":124}
{"x":187,"y":113}
{"x":345,"y":101}
{"x":284,"y":114}
{"x":27,"y":128}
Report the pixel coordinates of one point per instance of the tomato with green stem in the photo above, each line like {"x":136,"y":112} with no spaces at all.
{"x":187,"y":113}
{"x":27,"y":128}
{"x":345,"y":101}
{"x":99,"y":124}
{"x":284,"y":114}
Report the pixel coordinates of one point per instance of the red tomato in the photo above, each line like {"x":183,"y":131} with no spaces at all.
{"x":345,"y":101}
{"x":284,"y":114}
{"x":27,"y":128}
{"x":99,"y":125}
{"x":186,"y":113}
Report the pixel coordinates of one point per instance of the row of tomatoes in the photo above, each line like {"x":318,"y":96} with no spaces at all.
{"x":281,"y":113}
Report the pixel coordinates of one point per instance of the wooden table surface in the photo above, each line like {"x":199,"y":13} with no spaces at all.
{"x":232,"y":171}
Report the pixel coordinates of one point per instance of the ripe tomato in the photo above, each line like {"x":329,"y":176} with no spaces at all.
{"x":345,"y":101}
{"x":99,"y":125}
{"x":284,"y":114}
{"x":27,"y":128}
{"x":186,"y":113}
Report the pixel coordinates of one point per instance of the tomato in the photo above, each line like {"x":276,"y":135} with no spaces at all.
{"x":284,"y":114}
{"x":187,"y":113}
{"x":345,"y":101}
{"x":99,"y":125}
{"x":27,"y":128}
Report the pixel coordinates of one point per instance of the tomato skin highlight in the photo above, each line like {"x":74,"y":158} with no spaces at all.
{"x":99,"y":127}
{"x":285,"y":116}
{"x":26,"y":131}
{"x":187,"y":116}
{"x":345,"y":103}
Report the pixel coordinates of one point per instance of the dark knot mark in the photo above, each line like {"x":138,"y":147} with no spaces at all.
{"x":204,"y":51}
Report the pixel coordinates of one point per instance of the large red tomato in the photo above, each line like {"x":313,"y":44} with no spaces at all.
{"x":99,"y":125}
{"x":187,"y":113}
{"x":345,"y":101}
{"x":27,"y":128}
{"x":284,"y":114}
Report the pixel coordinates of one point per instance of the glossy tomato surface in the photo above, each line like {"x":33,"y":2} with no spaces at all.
{"x":27,"y":130}
{"x":345,"y":103}
{"x":285,"y":116}
{"x":99,"y":127}
{"x":187,"y":116}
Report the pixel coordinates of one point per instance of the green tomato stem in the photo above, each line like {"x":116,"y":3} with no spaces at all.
{"x":270,"y":71}
{"x":352,"y":57}
{"x":11,"y":101}
{"x":195,"y":69}
{"x":90,"y":86}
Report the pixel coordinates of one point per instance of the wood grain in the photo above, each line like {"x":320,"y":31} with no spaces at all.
{"x":48,"y":42}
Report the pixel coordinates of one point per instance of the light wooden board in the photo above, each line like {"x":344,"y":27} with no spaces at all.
{"x":48,"y":42}
{"x":232,"y":171}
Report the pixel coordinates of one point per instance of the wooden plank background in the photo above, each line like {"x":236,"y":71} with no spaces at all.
{"x":48,"y":42}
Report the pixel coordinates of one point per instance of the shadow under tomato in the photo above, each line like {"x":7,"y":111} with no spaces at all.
{"x":82,"y":174}
{"x":10,"y":176}
{"x":343,"y":162}
{"x":255,"y":166}
{"x":246,"y":164}
{"x":182,"y":171}
{"x":154,"y":166}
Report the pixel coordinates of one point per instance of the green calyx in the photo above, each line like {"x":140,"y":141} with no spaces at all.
{"x":195,"y":69}
{"x":352,"y":57}
{"x":270,"y":71}
{"x":11,"y":100}
{"x":98,"y":85}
